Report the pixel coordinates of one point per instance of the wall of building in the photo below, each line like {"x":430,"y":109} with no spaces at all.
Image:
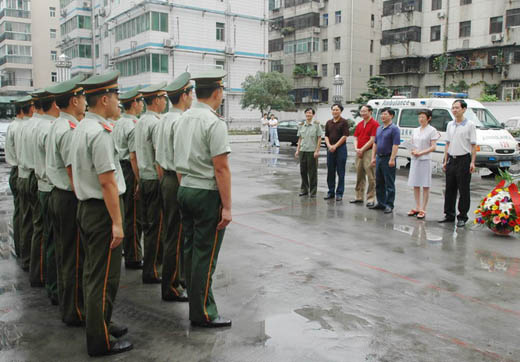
{"x":43,"y":44}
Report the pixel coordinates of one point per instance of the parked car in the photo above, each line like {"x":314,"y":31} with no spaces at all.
{"x":512,"y":124}
{"x":288,"y":132}
{"x":4,"y":124}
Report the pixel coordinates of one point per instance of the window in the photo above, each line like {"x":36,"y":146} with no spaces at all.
{"x":53,"y":33}
{"x":307,"y":45}
{"x":371,"y":70}
{"x":465,"y":2}
{"x":54,"y":55}
{"x":440,"y":119}
{"x":325,"y":20}
{"x":337,"y":43}
{"x":220,"y":64}
{"x":432,"y":89}
{"x":79,"y":51}
{"x":464,"y":29}
{"x":54,"y":77}
{"x":409,"y":118}
{"x":338,"y":16}
{"x":274,"y":4}
{"x":401,"y":35}
{"x":275,"y":45}
{"x":325,"y":45}
{"x":435,"y":33}
{"x":371,"y":46}
{"x":512,"y":17}
{"x":133,"y":27}
{"x":302,"y":21}
{"x":79,"y":21}
{"x":276,"y":66}
{"x":324,"y":70}
{"x":372,"y":20}
{"x":337,"y":69}
{"x":436,"y":4}
{"x":133,"y":66}
{"x":496,"y":24}
{"x":159,"y":63}
{"x":220,"y":31}
{"x":105,"y":61}
{"x":159,"y":21}
{"x":97,"y":51}
{"x":52,"y":12}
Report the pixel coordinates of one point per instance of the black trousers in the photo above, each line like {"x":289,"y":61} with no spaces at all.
{"x":458,"y":179}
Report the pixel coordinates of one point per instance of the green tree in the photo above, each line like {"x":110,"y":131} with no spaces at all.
{"x":376,"y":89}
{"x":267,"y":92}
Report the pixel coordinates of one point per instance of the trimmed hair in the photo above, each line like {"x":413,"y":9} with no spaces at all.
{"x":426,"y":112}
{"x":389,"y":110}
{"x":367,"y":106}
{"x":310,"y":109}
{"x":27,"y":108}
{"x":205,"y":93}
{"x":337,"y":105}
{"x":462,"y":103}
{"x":47,"y":104}
{"x":128,"y":105}
{"x":64,"y":101}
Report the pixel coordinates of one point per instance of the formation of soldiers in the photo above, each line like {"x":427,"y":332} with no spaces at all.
{"x":86,"y":190}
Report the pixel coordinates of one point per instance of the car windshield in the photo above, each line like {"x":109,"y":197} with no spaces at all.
{"x":482,"y":118}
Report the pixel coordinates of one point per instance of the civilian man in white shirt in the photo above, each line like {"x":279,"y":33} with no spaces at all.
{"x":459,"y":164}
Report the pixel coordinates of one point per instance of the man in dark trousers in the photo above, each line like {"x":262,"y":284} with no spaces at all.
{"x":99,"y":183}
{"x":336,"y":133}
{"x":459,"y":163}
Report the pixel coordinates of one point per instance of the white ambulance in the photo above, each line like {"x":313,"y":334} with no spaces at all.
{"x":496,"y":148}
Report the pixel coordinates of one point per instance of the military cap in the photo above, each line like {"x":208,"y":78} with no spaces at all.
{"x":179,"y":84}
{"x":130,"y":95}
{"x":37,"y":94}
{"x":69,"y":87}
{"x":209,"y":79}
{"x":154,"y":90}
{"x":22,"y":101}
{"x":101,"y":83}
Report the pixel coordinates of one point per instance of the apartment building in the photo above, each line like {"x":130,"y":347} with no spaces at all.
{"x":29,"y":31}
{"x":428,"y":45}
{"x":313,"y":41}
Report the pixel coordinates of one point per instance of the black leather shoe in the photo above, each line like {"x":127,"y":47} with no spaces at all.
{"x":328,"y":197}
{"x":218,"y":322}
{"x":152,"y":280}
{"x":303,"y":194}
{"x":461,"y":223}
{"x":134,"y":265}
{"x":37,"y":285}
{"x":115,"y":348}
{"x":183,"y":297}
{"x":370,"y":204}
{"x":445,"y":220}
{"x":355,"y":201}
{"x":54,"y":301}
{"x":376,"y":207}
{"x":388,"y":210}
{"x":339,"y":198}
{"x":117,"y":330}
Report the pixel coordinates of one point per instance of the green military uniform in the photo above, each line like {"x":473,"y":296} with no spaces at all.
{"x":124,"y":137}
{"x":309,"y":133}
{"x":69,"y":251}
{"x":200,"y":135}
{"x":94,"y":153}
{"x":149,"y":187}
{"x":173,"y":247}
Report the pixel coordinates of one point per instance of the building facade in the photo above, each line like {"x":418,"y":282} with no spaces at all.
{"x":435,"y":45}
{"x":151,"y":41}
{"x":29,"y":31}
{"x":313,"y":41}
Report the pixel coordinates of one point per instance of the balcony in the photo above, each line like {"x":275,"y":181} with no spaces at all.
{"x":16,"y":59}
{"x":15,"y":36}
{"x":15,"y":13}
{"x":19,"y":82}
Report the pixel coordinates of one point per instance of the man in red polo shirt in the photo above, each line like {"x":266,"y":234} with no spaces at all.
{"x":364,"y":137}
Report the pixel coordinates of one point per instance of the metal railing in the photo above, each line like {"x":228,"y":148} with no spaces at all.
{"x":15,"y":13}
{"x":15,"y":36}
{"x":18,"y":59}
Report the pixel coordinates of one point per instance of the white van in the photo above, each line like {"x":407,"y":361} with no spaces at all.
{"x":496,"y":148}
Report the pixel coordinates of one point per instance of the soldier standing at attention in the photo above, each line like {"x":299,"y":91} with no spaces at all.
{"x":124,"y":137}
{"x":40,"y":136}
{"x":12,"y":160}
{"x":24,"y":173}
{"x":70,"y":99}
{"x":201,"y":160}
{"x":149,"y":188}
{"x":180,"y":92}
{"x":99,"y":183}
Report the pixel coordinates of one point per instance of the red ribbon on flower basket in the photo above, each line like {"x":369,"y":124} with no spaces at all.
{"x":500,"y":185}
{"x":515,"y":197}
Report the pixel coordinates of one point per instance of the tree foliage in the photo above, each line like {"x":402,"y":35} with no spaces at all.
{"x":267,"y":92}
{"x":376,"y":90}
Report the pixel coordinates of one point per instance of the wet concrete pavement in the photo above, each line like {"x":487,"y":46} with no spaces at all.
{"x":306,"y":280}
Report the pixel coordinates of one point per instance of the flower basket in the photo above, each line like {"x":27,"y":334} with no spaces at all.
{"x":500,"y":210}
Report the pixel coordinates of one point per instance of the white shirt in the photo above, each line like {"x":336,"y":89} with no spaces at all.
{"x":422,"y":140}
{"x":273,"y":123}
{"x":264,"y":124}
{"x":461,"y":136}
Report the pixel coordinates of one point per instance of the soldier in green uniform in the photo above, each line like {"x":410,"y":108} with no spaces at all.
{"x":23,"y":183}
{"x":201,"y":161}
{"x":12,"y":160}
{"x":98,"y":182}
{"x":124,"y":137}
{"x":149,"y":188}
{"x":180,"y":92}
{"x":308,"y":151}
{"x":70,"y":99}
{"x":40,"y":136}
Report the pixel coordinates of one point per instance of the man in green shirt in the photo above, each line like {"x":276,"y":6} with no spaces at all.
{"x":180,"y":92}
{"x":149,"y":188}
{"x":308,"y":151}
{"x":98,"y":182}
{"x":124,"y":137}
{"x":70,"y":99}
{"x":201,"y":160}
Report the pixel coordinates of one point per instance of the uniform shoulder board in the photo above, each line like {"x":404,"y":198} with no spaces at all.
{"x":218,"y":115}
{"x":106,"y":126}
{"x":112,"y":125}
{"x":72,"y":125}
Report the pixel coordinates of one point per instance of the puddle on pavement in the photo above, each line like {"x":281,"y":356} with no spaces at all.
{"x":494,"y":262}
